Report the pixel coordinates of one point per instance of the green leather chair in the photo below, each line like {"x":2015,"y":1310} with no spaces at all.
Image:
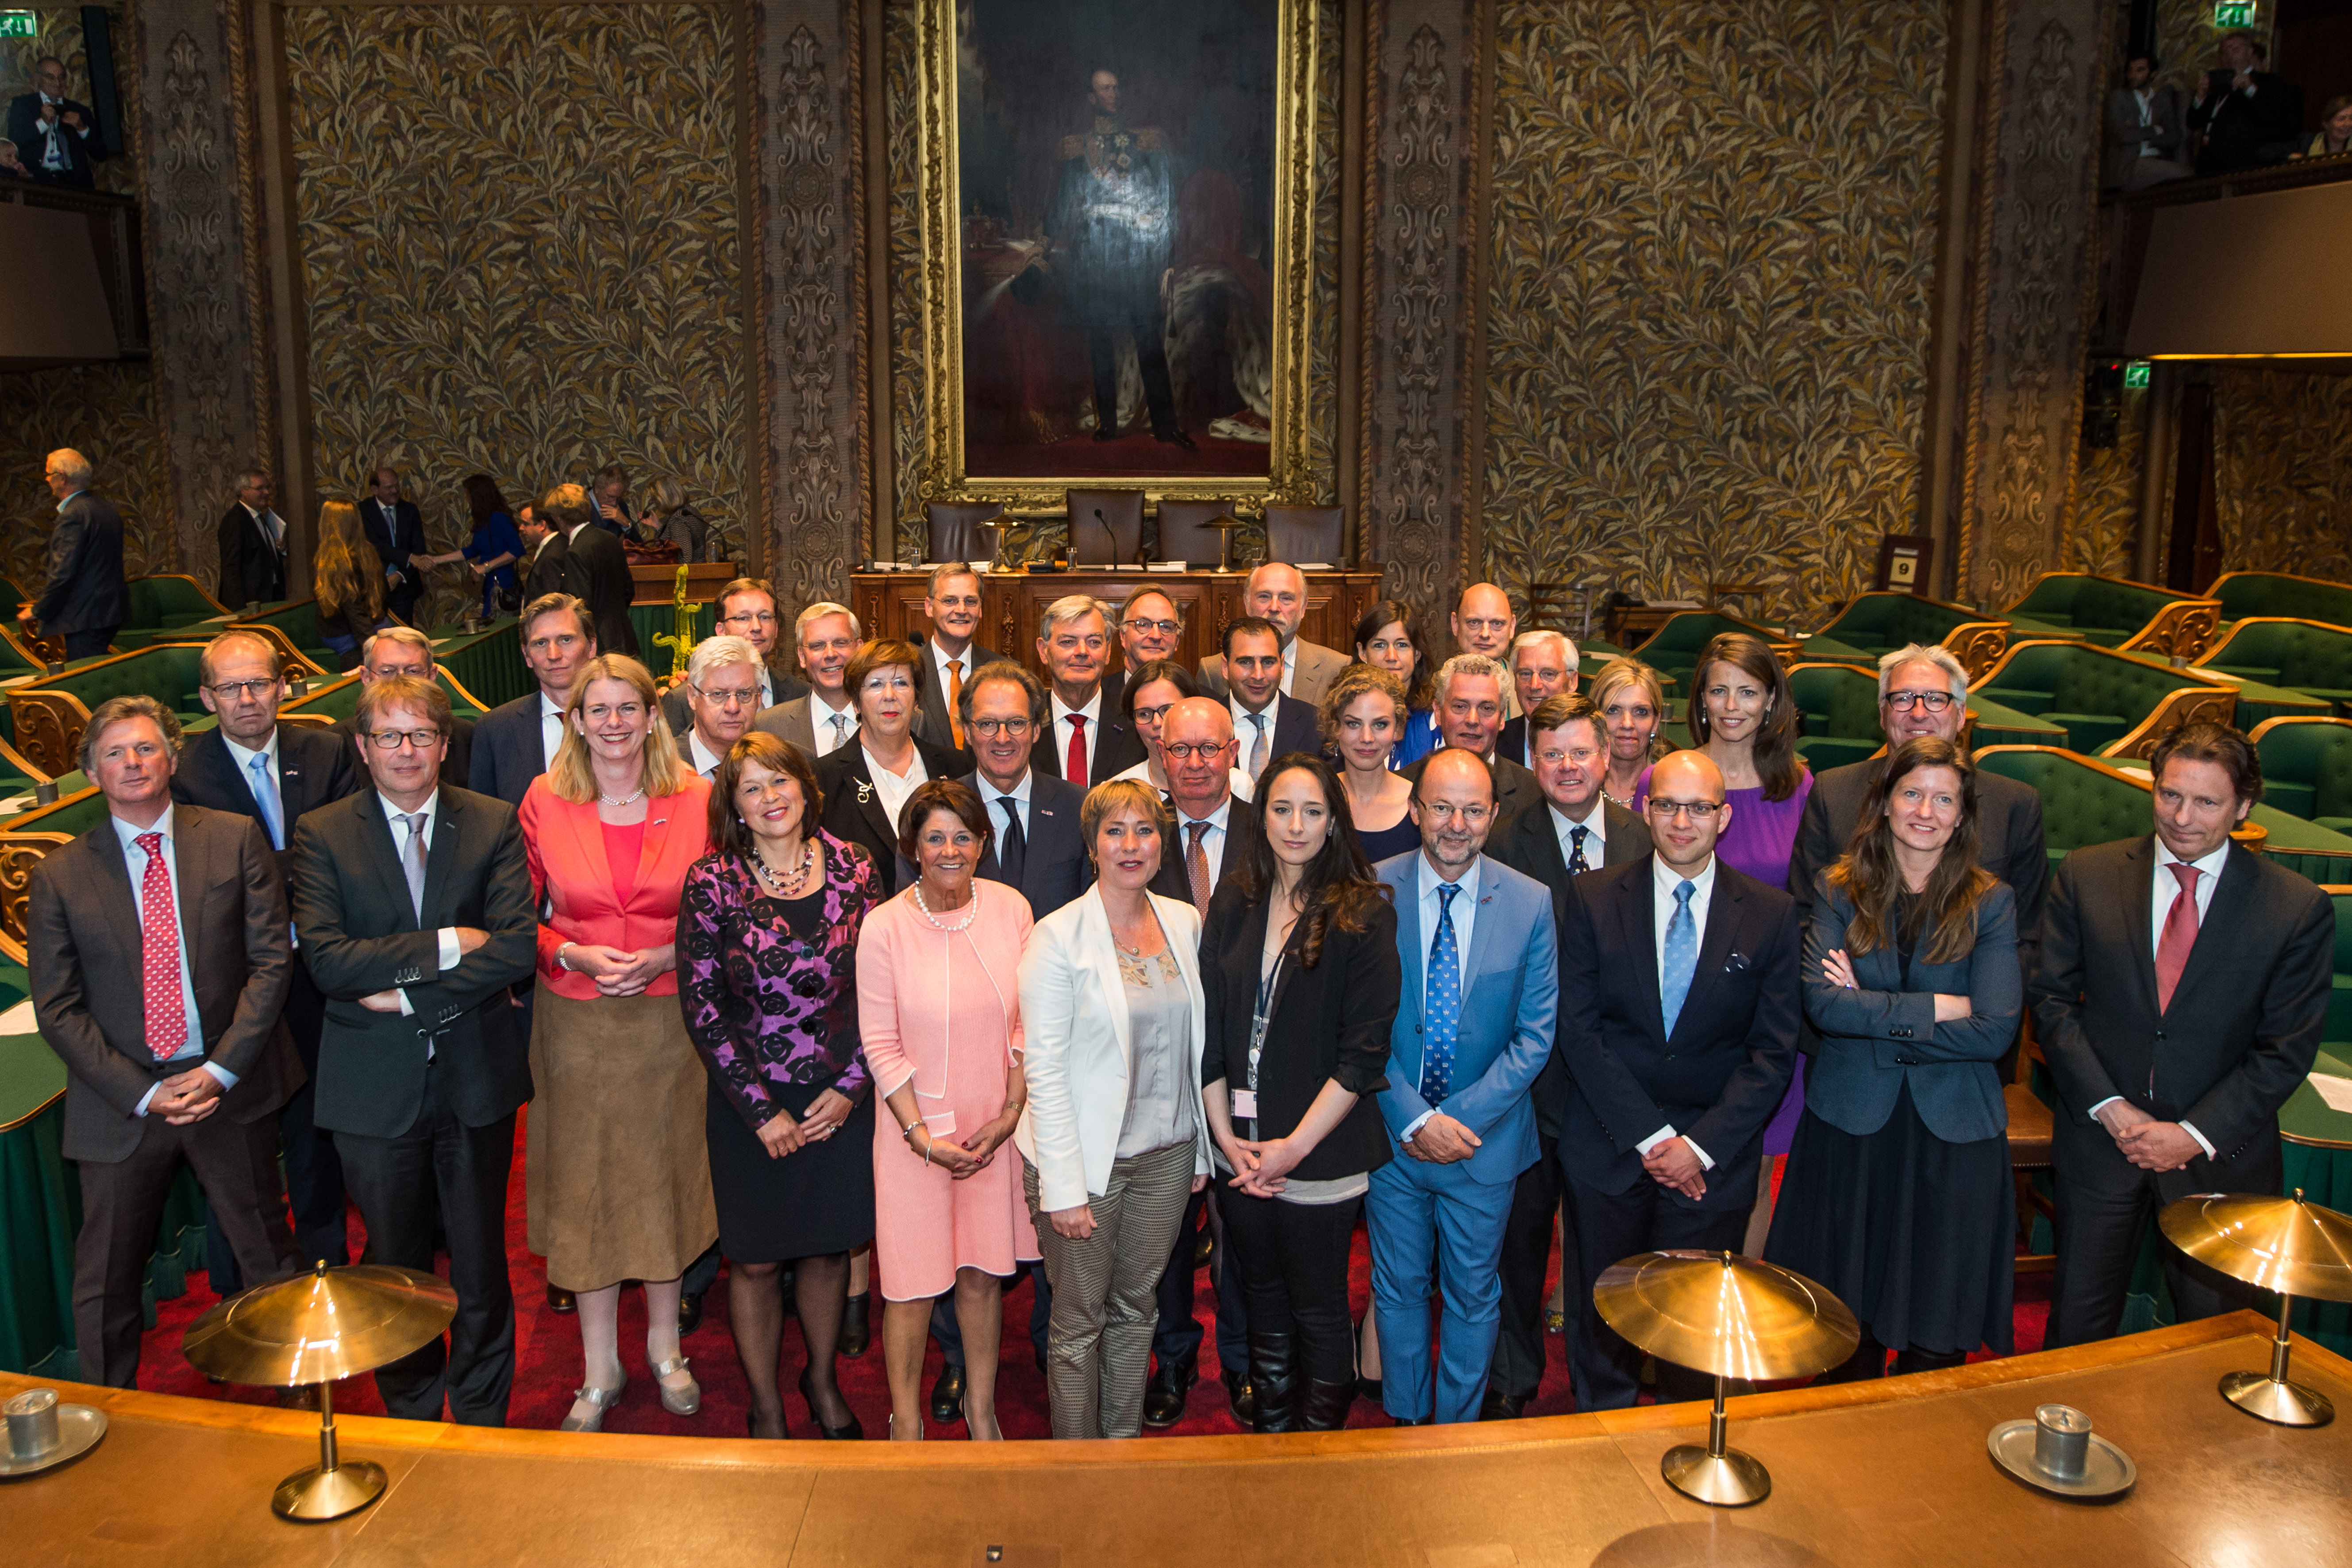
{"x":2113,"y":612}
{"x":293,"y":625}
{"x":26,"y":838}
{"x":2307,"y":768}
{"x":1874,"y":624}
{"x":2084,"y":800}
{"x":337,"y":700}
{"x":2109,"y":704}
{"x":488,"y":663}
{"x":1839,"y":707}
{"x":163,"y":605}
{"x":2338,"y":1036}
{"x":1673,"y":648}
{"x":2302,"y":656}
{"x":51,"y":713}
{"x":2248,"y":594}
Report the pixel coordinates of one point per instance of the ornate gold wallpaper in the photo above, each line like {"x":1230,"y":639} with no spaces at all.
{"x":2103,"y":517}
{"x":1714,"y":248}
{"x":106,"y":412}
{"x":521,"y":248}
{"x":2282,"y":471}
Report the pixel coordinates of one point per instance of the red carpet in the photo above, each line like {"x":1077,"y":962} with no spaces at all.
{"x":549,"y":1366}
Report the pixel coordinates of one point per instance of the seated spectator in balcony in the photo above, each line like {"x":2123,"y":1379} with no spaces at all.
{"x":2249,"y":116}
{"x":2334,"y":137}
{"x":2146,"y":122}
{"x":52,"y":131}
{"x":669,"y":521}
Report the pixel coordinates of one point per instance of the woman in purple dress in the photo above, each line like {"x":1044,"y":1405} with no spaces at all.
{"x":1744,"y":718}
{"x":767,"y":941}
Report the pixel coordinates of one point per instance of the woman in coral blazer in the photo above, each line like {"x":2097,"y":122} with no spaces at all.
{"x":617,"y":1171}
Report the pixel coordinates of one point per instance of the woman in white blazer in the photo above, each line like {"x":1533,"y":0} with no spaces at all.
{"x":1114,"y":1136}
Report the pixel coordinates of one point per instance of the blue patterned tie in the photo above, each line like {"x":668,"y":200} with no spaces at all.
{"x":265,"y":794}
{"x":1682,"y":957}
{"x":1444,"y":1001}
{"x":1577,"y":864}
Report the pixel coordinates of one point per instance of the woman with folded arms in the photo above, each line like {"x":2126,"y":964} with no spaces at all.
{"x":939,"y":990}
{"x":1111,"y":1012}
{"x":1299,"y":964}
{"x":1363,"y":714}
{"x":1899,"y":1195}
{"x":1389,"y":634}
{"x":768,"y":937}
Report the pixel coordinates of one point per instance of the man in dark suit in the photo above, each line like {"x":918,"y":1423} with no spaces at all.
{"x":2146,"y":122}
{"x":252,"y":539}
{"x":514,"y":741}
{"x":52,"y":132}
{"x":2248,"y":116}
{"x":822,"y":720}
{"x":1679,"y":999}
{"x":746,"y":609}
{"x":950,"y":658}
{"x":546,"y":558}
{"x":2179,"y":996}
{"x":1469,"y":717}
{"x":1578,"y":830}
{"x":597,"y":571}
{"x":1213,"y":829}
{"x":1037,"y":848}
{"x":83,"y":597}
{"x":1084,"y":724}
{"x":1275,"y":591}
{"x":1543,"y":665}
{"x":1267,"y":723}
{"x":157,"y":946}
{"x":396,"y":528}
{"x":275,"y":773}
{"x":414,"y":905}
{"x":404,"y":650}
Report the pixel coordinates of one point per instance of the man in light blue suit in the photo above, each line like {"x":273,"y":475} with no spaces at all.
{"x":1472,"y":1033}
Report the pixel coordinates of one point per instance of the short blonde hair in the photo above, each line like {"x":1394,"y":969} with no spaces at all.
{"x":660,"y":772}
{"x":1124,"y":795}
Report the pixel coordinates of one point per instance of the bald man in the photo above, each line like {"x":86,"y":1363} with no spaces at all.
{"x":1680,"y":988}
{"x":1484,"y":623}
{"x":1277,"y":592}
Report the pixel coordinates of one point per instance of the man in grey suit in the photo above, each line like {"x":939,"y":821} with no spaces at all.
{"x":2179,"y":996}
{"x":1578,"y":830}
{"x":514,"y":741}
{"x":950,"y":658}
{"x":2147,"y":123}
{"x":1470,"y":698}
{"x":746,"y":609}
{"x":1277,"y":592}
{"x":159,"y":959}
{"x":83,"y":597}
{"x":825,"y":719}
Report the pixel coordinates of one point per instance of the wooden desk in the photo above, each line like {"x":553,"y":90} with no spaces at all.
{"x":1887,"y":1472}
{"x":890,"y":604}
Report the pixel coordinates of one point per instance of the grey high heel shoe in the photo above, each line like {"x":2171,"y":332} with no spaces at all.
{"x":601,"y":1399}
{"x":687,"y":1403}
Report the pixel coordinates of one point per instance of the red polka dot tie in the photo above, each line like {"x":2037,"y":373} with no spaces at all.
{"x":159,"y":941}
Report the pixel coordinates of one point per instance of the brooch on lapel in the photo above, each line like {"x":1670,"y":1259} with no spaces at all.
{"x":864,"y":791}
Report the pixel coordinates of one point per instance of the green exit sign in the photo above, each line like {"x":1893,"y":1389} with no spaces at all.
{"x":2136,"y":375}
{"x":2233,"y":13}
{"x":19,"y":24}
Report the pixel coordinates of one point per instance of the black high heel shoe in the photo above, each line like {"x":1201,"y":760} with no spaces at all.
{"x":851,"y":1433}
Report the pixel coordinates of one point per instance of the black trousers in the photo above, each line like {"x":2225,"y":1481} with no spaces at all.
{"x":2105,"y":1207}
{"x":1150,"y":359}
{"x":1610,"y":1226}
{"x":1178,"y":1335}
{"x":90,"y":644}
{"x":1518,"y":1364}
{"x":314,"y":1174}
{"x":1291,"y":1260}
{"x":123,"y":1202}
{"x":441,"y":1168}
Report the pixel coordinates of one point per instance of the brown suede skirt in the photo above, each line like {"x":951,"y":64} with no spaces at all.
{"x":616,"y":1167}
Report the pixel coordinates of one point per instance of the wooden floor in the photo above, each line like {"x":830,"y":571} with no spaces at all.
{"x":1887,"y":1473}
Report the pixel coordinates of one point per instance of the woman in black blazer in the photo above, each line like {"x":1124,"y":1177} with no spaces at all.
{"x":1298,"y":962}
{"x":864,"y":785}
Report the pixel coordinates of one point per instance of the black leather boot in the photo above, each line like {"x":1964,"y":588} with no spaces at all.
{"x":856,"y":1334}
{"x":1273,"y":1375}
{"x":1325,"y":1407}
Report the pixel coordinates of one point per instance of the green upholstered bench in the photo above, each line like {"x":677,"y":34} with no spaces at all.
{"x":29,"y":835}
{"x":2302,"y":847}
{"x":2113,"y":612}
{"x":164,"y":605}
{"x":293,"y":625}
{"x":2108,"y":703}
{"x":2307,"y":657}
{"x":1673,"y":648}
{"x":2248,"y":594}
{"x":488,"y":663}
{"x":337,"y":700}
{"x":2307,"y":768}
{"x":1875,"y":624}
{"x":1839,"y":704}
{"x":51,"y":713}
{"x":2086,"y":801}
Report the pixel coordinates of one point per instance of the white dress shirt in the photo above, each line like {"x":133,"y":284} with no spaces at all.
{"x":1465,"y":915}
{"x":700,"y":757}
{"x":939,"y":658}
{"x":1092,"y":713}
{"x":894,"y":788}
{"x":831,"y":738}
{"x":450,"y":953}
{"x":2166,"y":888}
{"x":272,"y":526}
{"x":135,"y":861}
{"x":1661,"y":913}
{"x":1018,"y":794}
{"x":243,"y":761}
{"x":1212,"y":842}
{"x":1596,"y":836}
{"x":1289,"y":670}
{"x":1246,"y":725}
{"x":551,"y":729}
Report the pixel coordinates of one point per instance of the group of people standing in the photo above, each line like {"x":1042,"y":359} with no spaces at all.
{"x":926,"y":967}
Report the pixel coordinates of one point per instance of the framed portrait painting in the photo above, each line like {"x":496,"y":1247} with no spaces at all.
{"x":1115,"y":207}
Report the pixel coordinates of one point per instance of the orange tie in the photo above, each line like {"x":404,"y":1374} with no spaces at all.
{"x":955,"y":700}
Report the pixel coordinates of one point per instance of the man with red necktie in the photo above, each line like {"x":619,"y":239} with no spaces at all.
{"x":2180,"y":995}
{"x":187,"y":1061}
{"x":1086,"y":740}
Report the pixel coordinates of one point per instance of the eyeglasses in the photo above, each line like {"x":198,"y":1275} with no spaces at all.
{"x":1696,"y":810}
{"x":749,"y":618}
{"x":1183,"y":751}
{"x":1152,"y":715}
{"x":989,"y":729}
{"x":1904,"y":701}
{"x":733,"y":699}
{"x":390,"y":739}
{"x":1445,"y":811}
{"x":232,"y":690}
{"x":1165,"y":629}
{"x":1555,"y":757}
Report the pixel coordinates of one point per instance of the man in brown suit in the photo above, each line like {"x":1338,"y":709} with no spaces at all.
{"x":159,"y":959}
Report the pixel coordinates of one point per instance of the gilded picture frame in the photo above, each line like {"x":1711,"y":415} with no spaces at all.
{"x":945,"y":475}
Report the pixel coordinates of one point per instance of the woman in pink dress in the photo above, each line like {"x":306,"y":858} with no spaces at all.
{"x":939,"y":1006}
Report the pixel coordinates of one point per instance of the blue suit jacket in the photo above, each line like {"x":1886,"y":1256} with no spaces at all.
{"x":1511,"y":997}
{"x":510,"y":750}
{"x":1884,"y":1032}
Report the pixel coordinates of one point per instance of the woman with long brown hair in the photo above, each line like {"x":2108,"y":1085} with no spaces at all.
{"x":346,"y":580}
{"x":1389,"y":634}
{"x":1898,"y":1192}
{"x":1298,"y":962}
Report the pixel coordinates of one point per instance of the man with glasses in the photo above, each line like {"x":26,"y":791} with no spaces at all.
{"x":1484,"y":623}
{"x":1473,"y":1030}
{"x":1267,"y":721}
{"x":515,"y":741}
{"x":1543,"y":665}
{"x":412,"y":900}
{"x":950,"y":658}
{"x":1087,"y":738}
{"x":1150,"y":628}
{"x":1277,"y":593}
{"x":1680,"y":994}
{"x":722,"y":685}
{"x":252,"y":766}
{"x":747,"y":609}
{"x":822,"y":720}
{"x":404,"y":650}
{"x":1470,"y":704}
{"x":1578,"y":830}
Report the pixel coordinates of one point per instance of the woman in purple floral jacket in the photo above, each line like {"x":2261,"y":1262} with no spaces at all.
{"x":767,"y":946}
